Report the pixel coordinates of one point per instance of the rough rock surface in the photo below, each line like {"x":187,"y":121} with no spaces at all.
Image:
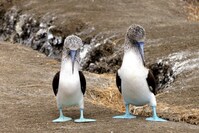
{"x":100,"y":54}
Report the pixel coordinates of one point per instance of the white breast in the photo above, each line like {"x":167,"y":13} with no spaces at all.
{"x":69,"y":91}
{"x":134,"y":85}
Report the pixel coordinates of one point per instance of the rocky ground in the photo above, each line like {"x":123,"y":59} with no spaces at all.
{"x":27,"y":99}
{"x":28,"y":104}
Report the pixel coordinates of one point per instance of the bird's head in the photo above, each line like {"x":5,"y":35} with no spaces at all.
{"x":136,"y":35}
{"x":71,"y":48}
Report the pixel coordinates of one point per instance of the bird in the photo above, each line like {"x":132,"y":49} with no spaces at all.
{"x":134,"y":80}
{"x":69,"y":84}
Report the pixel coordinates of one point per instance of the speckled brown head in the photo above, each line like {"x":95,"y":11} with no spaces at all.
{"x":71,"y":49}
{"x":135,"y":37}
{"x":73,"y":42}
{"x":136,"y":33}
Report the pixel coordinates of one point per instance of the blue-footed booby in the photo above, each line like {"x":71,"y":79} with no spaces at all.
{"x":69,"y":84}
{"x":136,"y":82}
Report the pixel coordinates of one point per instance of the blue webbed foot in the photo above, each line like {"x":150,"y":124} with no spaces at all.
{"x":125,"y":116}
{"x":155,"y":117}
{"x":62,"y":119}
{"x":82,"y":119}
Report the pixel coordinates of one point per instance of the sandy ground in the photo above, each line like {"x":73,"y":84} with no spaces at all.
{"x":27,"y":101}
{"x":28,"y":104}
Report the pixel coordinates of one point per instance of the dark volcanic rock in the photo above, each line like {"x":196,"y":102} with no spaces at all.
{"x":163,"y":73}
{"x":41,"y":35}
{"x":101,"y":53}
{"x":104,"y":55}
{"x":10,"y":19}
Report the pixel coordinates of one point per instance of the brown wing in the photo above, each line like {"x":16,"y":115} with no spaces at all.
{"x":55,"y":83}
{"x":82,"y":82}
{"x":151,"y":82}
{"x":118,"y":82}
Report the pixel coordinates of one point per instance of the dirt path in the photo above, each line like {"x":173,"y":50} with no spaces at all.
{"x":28,"y":105}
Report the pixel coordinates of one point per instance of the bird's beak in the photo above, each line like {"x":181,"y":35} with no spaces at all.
{"x":73,"y":55}
{"x":141,"y":48}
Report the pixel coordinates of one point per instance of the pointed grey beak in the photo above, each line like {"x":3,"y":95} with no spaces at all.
{"x":141,"y":48}
{"x":73,"y":55}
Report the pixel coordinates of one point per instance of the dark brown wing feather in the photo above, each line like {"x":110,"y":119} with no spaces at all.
{"x":55,"y":83}
{"x":82,"y":82}
{"x":118,"y":82}
{"x":151,"y":82}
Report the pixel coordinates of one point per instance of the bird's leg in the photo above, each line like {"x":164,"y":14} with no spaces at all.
{"x":127,"y":115}
{"x":155,"y":117}
{"x":82,"y":119}
{"x":62,"y":118}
